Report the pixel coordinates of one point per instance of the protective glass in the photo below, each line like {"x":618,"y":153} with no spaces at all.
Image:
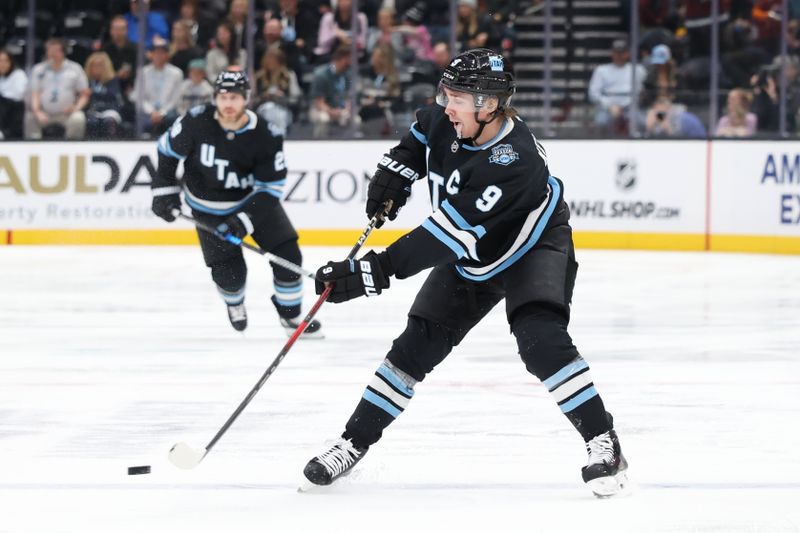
{"x":458,"y":100}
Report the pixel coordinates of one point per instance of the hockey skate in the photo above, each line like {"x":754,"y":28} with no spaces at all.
{"x":606,"y":470}
{"x":332,"y":464}
{"x":312,"y":331}
{"x":237,"y":314}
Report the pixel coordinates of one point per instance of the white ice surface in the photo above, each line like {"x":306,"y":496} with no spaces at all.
{"x":108,"y":356}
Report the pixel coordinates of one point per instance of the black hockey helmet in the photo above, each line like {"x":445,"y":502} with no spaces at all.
{"x":481,"y":72}
{"x":232,"y":80}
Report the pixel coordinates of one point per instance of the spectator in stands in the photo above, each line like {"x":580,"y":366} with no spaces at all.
{"x":665,"y":119}
{"x":472,"y":30}
{"x":122,"y":52}
{"x":793,"y":37}
{"x":380,"y":91}
{"x":738,"y":121}
{"x":697,"y":22}
{"x":767,"y":18}
{"x":237,"y":16}
{"x":741,"y":56}
{"x":385,"y":32}
{"x":766,"y":90}
{"x":160,"y":83}
{"x":195,"y":89}
{"x":416,"y":38}
{"x":156,"y":25}
{"x":300,"y":26}
{"x":441,"y":57}
{"x":59,"y":94}
{"x":103,"y":116}
{"x":661,"y":80}
{"x":278,"y":93}
{"x":188,"y":14}
{"x":504,"y":10}
{"x":329,"y":102}
{"x":273,"y":37}
{"x":183,"y":49}
{"x":13,"y":84}
{"x":225,"y":53}
{"x":334,"y":30}
{"x":610,"y":89}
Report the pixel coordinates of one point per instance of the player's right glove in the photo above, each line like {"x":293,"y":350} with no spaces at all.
{"x":164,"y":205}
{"x":236,"y":227}
{"x":392,"y":181}
{"x":362,"y":277}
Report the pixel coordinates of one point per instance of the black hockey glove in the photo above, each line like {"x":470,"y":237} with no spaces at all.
{"x":392,"y":181}
{"x":362,"y":277}
{"x":164,"y":205}
{"x":236,"y":227}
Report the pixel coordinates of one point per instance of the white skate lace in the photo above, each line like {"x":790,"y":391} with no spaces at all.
{"x":237,"y":312}
{"x":601,"y":449}
{"x":339,"y":457}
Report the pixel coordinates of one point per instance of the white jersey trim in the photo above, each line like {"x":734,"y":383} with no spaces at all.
{"x":522,"y":238}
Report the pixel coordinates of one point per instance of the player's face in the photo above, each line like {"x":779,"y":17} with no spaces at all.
{"x":231,"y":106}
{"x":460,"y":109}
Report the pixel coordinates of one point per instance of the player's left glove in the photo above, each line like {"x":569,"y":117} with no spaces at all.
{"x":236,"y":227}
{"x":367,"y":276}
{"x":392,"y":181}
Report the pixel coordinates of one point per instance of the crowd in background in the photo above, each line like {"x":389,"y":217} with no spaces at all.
{"x":86,"y":83}
{"x":674,"y":68}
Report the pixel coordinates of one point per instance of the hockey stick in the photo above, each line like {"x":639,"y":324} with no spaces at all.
{"x":272,"y":258}
{"x":184,"y":456}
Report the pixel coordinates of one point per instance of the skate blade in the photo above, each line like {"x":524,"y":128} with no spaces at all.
{"x":610,"y":486}
{"x":306,"y":487}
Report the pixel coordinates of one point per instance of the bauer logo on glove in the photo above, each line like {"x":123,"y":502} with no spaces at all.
{"x":366,"y":277}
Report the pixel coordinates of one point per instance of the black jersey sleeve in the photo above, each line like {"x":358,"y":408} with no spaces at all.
{"x":269,"y":169}
{"x":173,"y":146}
{"x":410,"y":151}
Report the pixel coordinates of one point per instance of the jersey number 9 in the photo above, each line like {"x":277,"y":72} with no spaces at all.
{"x":490,"y":196}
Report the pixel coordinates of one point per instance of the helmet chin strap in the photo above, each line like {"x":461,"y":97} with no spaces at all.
{"x":481,"y":124}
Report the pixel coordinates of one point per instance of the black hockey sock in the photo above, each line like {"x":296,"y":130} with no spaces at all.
{"x":573,"y":389}
{"x":386,"y":396}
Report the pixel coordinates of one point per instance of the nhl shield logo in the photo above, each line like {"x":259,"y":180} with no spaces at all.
{"x":503,"y":154}
{"x":626,"y":174}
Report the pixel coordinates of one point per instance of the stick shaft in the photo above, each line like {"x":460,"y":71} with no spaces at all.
{"x":280,"y":261}
{"x":299,"y":331}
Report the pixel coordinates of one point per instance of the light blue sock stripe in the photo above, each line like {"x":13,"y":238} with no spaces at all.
{"x":395,"y":380}
{"x":588,"y":394}
{"x":288,"y":289}
{"x":377,"y":401}
{"x":564,"y":373}
{"x":448,"y":241}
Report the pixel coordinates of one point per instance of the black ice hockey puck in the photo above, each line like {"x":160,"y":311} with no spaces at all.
{"x":136,"y":470}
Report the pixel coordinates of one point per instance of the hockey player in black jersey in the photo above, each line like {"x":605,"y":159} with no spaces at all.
{"x":499,"y":230}
{"x":234,"y":173}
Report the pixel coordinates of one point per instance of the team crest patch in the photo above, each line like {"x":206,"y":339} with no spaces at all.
{"x":503,"y":154}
